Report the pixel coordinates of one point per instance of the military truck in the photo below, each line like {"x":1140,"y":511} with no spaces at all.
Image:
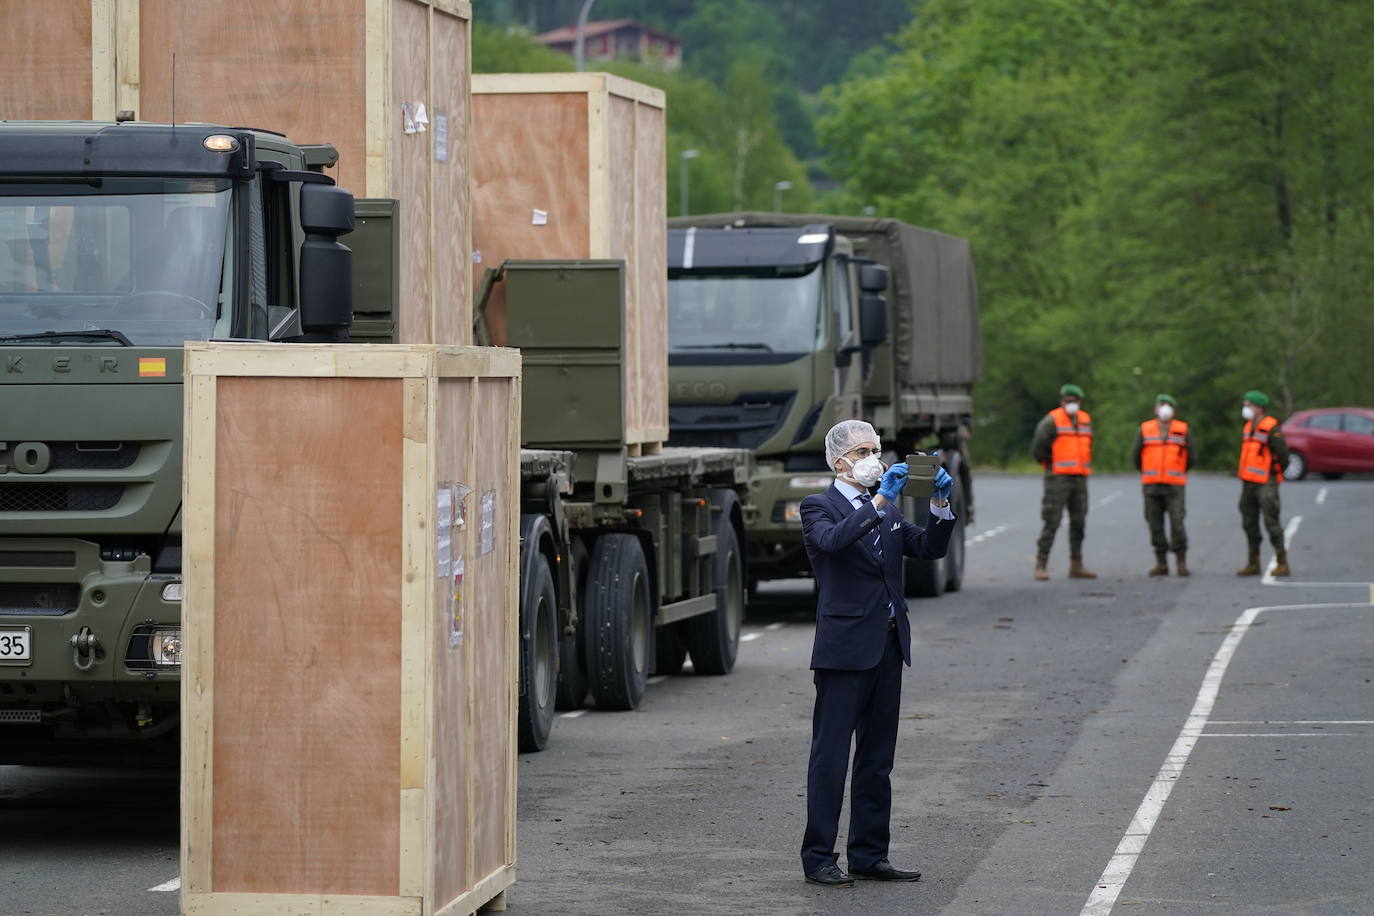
{"x":781,"y":324}
{"x":118,"y":243}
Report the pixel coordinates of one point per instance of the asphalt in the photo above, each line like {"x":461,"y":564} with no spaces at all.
{"x":1040,"y":721}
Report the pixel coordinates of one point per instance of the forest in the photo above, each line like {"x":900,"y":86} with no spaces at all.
{"x":1162,"y":195}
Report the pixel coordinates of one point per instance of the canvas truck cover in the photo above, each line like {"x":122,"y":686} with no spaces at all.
{"x":935,"y":333}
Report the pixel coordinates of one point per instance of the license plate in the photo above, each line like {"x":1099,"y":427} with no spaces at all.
{"x":16,"y":644}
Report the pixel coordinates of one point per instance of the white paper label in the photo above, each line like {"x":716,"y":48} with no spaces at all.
{"x":488,"y":528}
{"x":441,"y":138}
{"x":540,"y":218}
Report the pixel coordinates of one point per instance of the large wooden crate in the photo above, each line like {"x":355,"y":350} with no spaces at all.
{"x":571,"y":165}
{"x":320,"y":72}
{"x":350,"y":672}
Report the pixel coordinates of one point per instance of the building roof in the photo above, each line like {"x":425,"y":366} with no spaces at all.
{"x":568,"y":33}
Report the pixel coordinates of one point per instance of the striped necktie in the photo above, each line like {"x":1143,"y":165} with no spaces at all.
{"x":877,"y":529}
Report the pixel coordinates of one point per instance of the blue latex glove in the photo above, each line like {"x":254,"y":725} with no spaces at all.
{"x":944,"y":484}
{"x":890,"y":487}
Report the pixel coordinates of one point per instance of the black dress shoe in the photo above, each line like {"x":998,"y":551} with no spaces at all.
{"x":882,"y":870}
{"x":830,"y":876}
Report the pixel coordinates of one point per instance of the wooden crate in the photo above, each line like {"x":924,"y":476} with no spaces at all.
{"x":320,"y":72}
{"x":571,"y":165}
{"x":349,"y":709}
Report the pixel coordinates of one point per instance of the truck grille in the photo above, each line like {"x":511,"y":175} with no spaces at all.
{"x":53,"y":497}
{"x":21,"y":716}
{"x":92,"y":456}
{"x":41,"y":598}
{"x":747,"y":423}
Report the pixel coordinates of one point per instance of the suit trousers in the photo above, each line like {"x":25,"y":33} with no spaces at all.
{"x":861,"y":706}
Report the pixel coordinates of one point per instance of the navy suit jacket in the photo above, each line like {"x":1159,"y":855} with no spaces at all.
{"x":854,"y":588}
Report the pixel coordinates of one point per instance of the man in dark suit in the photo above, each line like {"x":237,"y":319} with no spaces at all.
{"x":856,"y":541}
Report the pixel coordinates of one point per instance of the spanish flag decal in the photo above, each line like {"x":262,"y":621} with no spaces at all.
{"x":152,"y":367}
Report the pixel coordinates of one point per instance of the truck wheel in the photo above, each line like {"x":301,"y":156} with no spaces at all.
{"x":954,"y":559}
{"x":669,"y":652}
{"x":713,"y":639}
{"x":538,"y":658}
{"x":572,"y":666}
{"x":619,"y":622}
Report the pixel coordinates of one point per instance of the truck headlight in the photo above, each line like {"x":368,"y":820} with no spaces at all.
{"x":165,"y":647}
{"x":171,"y":591}
{"x":791,"y":512}
{"x":809,"y":483}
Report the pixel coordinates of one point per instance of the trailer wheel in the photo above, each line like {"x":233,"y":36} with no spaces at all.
{"x":954,"y":559}
{"x":713,"y":639}
{"x":669,"y":651}
{"x":924,"y":578}
{"x":572,"y":665}
{"x":619,"y":624}
{"x":538,"y":658}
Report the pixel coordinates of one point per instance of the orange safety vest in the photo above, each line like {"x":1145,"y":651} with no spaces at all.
{"x":1073,"y":445}
{"x":1256,"y":458}
{"x":1164,"y":459}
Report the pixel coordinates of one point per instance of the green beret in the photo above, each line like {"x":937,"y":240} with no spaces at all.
{"x":1071,"y":391}
{"x":1165,"y":399}
{"x":1257,"y":397}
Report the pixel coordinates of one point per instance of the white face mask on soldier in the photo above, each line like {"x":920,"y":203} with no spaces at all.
{"x":1164,"y":412}
{"x":867,"y":471}
{"x":1071,"y":408}
{"x":1248,"y":412}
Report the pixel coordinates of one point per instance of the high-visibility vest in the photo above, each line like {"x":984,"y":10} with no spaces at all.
{"x":1256,"y":458}
{"x":1073,"y":445}
{"x":1164,"y":459}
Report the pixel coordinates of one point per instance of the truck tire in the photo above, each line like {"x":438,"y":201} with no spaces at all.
{"x":572,"y":666}
{"x":669,"y":651}
{"x":924,"y":578}
{"x":619,"y":622}
{"x":713,"y":639}
{"x":954,"y":559}
{"x":538,"y":658}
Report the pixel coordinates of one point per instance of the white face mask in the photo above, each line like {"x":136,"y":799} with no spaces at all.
{"x":866,"y":471}
{"x":1248,"y":412}
{"x":1165,"y":412}
{"x":1071,"y":408}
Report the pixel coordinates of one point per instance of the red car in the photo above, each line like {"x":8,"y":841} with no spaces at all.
{"x":1330,"y":441}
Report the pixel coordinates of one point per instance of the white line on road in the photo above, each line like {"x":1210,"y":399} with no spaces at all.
{"x":748,"y":637}
{"x":173,"y":885}
{"x":774,"y":626}
{"x":1118,"y":870}
{"x":572,"y":715}
{"x":1293,"y":722}
{"x":1110,"y":497}
{"x":1321,"y":496}
{"x":979,"y":538}
{"x":1288,"y":532}
{"x":1284,"y":735}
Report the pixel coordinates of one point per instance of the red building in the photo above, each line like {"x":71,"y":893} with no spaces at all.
{"x":619,"y":39}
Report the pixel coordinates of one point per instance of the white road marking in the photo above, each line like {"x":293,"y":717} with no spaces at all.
{"x":1118,"y":870}
{"x":979,"y":538}
{"x":1110,"y":497}
{"x":572,"y":715}
{"x":173,"y":885}
{"x":1289,"y":530}
{"x":774,"y":627}
{"x":657,"y":679}
{"x":1284,"y":735}
{"x":749,"y":637}
{"x":1321,"y":496}
{"x":1293,"y":722}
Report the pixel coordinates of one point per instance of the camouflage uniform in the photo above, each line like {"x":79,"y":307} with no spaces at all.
{"x":1162,"y":499}
{"x":1062,"y":491}
{"x":1263,"y":497}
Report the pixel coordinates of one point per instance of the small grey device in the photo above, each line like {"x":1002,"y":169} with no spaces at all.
{"x":920,"y":479}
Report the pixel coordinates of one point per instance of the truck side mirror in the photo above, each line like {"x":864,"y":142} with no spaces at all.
{"x":872,"y":278}
{"x":872,"y":319}
{"x":326,"y":283}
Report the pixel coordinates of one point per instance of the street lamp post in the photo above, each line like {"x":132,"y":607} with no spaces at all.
{"x":686,"y":155}
{"x":778,"y":188}
{"x":580,"y":44}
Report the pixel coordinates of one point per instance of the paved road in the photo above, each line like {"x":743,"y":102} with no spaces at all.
{"x":1127,"y":745}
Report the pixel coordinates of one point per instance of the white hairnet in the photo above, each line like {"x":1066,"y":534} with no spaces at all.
{"x":846,"y":435}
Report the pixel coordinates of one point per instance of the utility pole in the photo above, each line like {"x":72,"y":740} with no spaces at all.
{"x":686,"y":155}
{"x":778,"y":188}
{"x":580,"y":47}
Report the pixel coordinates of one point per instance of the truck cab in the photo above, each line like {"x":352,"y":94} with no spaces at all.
{"x":769,"y":339}
{"x":119,"y":242}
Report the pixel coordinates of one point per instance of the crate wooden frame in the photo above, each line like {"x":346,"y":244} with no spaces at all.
{"x":342,"y":83}
{"x":428,"y":672}
{"x":606,"y":176}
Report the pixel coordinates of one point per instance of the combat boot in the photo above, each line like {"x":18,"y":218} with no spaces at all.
{"x":1078,"y":571}
{"x":1251,"y":568}
{"x":1041,"y":573}
{"x":1182,"y":557}
{"x":1161,"y":567}
{"x":1281,"y":562}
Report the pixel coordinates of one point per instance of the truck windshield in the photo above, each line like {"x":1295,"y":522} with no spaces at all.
{"x":148,"y":258}
{"x":754,"y":310}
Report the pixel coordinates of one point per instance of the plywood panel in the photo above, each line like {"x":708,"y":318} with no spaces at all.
{"x":452,"y":202}
{"x":620,"y":183}
{"x":451,"y":724}
{"x":45,"y":59}
{"x":307,"y":683}
{"x":651,"y":256}
{"x":410,"y":168}
{"x":294,"y":66}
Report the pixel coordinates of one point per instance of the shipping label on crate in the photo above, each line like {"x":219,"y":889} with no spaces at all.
{"x":488,"y":531}
{"x":450,"y":523}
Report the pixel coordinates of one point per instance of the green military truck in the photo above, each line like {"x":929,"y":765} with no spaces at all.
{"x":118,"y":243}
{"x":781,"y":324}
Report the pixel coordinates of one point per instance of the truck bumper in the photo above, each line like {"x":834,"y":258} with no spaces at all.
{"x":776,"y":550}
{"x":106,"y":685}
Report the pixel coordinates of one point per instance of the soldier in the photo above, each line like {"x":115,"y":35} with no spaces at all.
{"x":1063,"y":444}
{"x":1163,"y":453}
{"x":1263,"y":456}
